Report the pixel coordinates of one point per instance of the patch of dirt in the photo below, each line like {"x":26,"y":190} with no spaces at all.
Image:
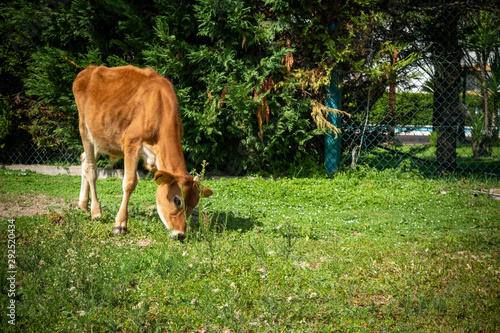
{"x":143,"y":243}
{"x":29,"y":204}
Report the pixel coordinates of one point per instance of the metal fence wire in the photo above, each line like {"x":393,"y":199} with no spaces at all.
{"x":439,"y":113}
{"x":29,"y":153}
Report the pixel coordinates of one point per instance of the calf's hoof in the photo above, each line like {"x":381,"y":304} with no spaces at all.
{"x":96,"y":216}
{"x":120,"y":230}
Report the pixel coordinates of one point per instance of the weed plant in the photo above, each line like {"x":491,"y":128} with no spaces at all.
{"x":367,"y":251}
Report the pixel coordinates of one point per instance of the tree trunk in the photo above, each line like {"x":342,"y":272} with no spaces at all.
{"x":392,"y":98}
{"x":484,"y":80}
{"x":446,"y":115}
{"x":486,"y":145}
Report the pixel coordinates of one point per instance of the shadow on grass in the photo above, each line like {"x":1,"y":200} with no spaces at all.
{"x":415,"y":158}
{"x":224,"y":221}
{"x":146,"y":218}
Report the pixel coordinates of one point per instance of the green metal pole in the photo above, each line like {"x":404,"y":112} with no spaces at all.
{"x":332,"y":143}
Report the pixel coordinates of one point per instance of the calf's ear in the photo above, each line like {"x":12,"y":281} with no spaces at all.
{"x":204,"y":191}
{"x":163,"y":177}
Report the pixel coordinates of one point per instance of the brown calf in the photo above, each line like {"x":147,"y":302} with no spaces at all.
{"x":131,"y":112}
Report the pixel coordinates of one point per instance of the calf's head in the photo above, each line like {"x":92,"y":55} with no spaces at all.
{"x":176,"y":197}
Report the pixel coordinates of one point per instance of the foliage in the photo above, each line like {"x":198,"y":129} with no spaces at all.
{"x":6,"y":117}
{"x":19,"y":31}
{"x":16,"y":45}
{"x":250,"y":76}
{"x":218,"y":55}
{"x":367,"y":251}
{"x":482,"y":40}
{"x":411,"y":109}
{"x":224,"y":69}
{"x":55,"y":110}
{"x":433,"y":138}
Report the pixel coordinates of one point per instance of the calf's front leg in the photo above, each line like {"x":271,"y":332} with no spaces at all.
{"x":129,"y":184}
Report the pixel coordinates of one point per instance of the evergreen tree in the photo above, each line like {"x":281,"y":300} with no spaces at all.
{"x":250,"y":75}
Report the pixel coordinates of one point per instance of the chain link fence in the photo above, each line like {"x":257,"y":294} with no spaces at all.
{"x":441,"y":112}
{"x":29,"y":153}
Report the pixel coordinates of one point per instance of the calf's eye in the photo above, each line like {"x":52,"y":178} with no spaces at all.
{"x":177,"y":201}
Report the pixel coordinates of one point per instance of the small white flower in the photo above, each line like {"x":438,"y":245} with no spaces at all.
{"x":72,"y":289}
{"x":215,"y":291}
{"x":138,"y":306}
{"x":193,"y":301}
{"x":81,"y":313}
{"x":232,"y":285}
{"x":313,"y":295}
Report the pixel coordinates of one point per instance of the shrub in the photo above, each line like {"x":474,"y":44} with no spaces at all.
{"x":411,"y":109}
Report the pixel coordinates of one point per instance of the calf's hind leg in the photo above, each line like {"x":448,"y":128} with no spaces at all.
{"x":89,"y":177}
{"x":83,"y":201}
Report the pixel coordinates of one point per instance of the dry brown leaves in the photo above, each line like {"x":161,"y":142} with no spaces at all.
{"x":263,"y":108}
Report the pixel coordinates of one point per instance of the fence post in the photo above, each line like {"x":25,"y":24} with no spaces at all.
{"x":332,"y":141}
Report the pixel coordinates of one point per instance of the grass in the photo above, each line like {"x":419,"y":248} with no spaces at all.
{"x":368,"y":251}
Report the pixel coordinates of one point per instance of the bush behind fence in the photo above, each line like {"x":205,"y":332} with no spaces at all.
{"x":420,"y":85}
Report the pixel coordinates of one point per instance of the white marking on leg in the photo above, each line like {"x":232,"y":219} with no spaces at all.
{"x":83,"y":200}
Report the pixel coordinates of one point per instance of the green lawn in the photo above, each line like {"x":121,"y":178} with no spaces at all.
{"x":368,"y":251}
